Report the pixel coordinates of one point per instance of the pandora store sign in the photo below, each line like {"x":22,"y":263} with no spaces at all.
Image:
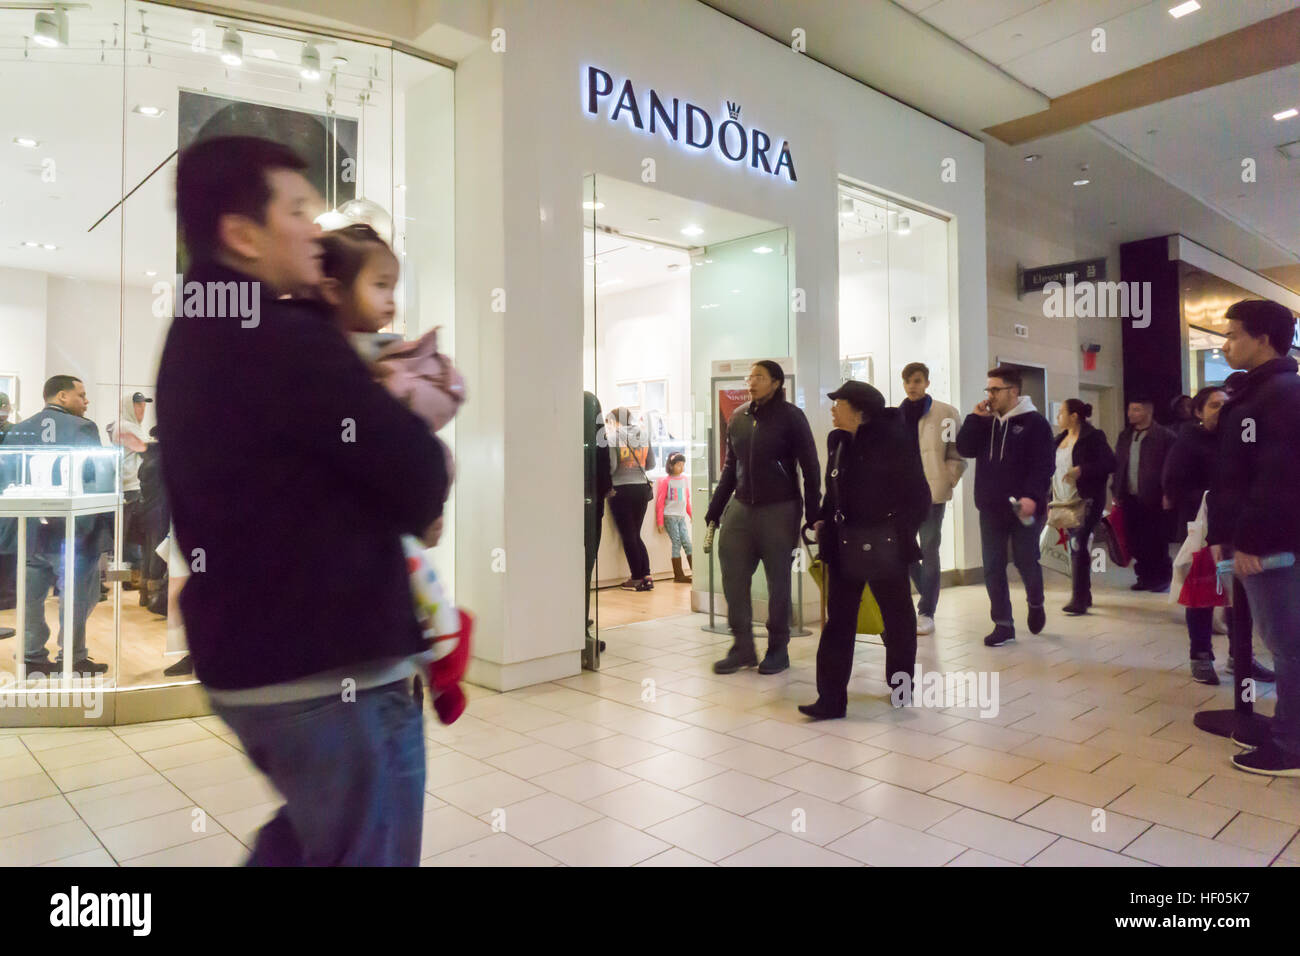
{"x":687,"y":124}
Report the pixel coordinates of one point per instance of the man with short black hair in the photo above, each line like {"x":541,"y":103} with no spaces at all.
{"x":1015,"y":454}
{"x":1140,"y":453}
{"x":1254,"y":512}
{"x":62,"y":422}
{"x":298,"y":612}
{"x":932,"y":425}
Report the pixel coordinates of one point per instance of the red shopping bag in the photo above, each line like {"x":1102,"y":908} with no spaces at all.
{"x":1117,"y":536}
{"x":1201,"y":587}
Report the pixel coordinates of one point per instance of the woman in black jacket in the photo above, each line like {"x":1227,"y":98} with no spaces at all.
{"x":1091,"y":463}
{"x":874,"y":477}
{"x":1189,"y":466}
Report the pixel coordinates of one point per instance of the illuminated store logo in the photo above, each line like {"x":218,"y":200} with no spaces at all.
{"x":689,"y":124}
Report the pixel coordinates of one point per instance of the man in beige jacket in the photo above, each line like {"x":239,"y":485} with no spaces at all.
{"x":934,"y":425}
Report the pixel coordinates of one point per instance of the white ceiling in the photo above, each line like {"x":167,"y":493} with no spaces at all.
{"x":1047,"y":44}
{"x":77,"y":102}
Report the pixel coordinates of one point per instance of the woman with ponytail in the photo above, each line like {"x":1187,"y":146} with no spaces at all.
{"x":1084,"y":462}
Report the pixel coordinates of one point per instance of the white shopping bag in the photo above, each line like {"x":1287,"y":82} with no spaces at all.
{"x":1196,"y":531}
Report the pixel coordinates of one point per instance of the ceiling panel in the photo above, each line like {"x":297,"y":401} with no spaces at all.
{"x":963,"y":19}
{"x":1044,"y":24}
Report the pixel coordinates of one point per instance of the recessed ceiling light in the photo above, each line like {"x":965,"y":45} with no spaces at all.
{"x":692,"y":231}
{"x":763,"y":250}
{"x":735,"y":291}
{"x":152,"y":112}
{"x":27,"y":141}
{"x":1033,"y":157}
{"x":150,"y":272}
{"x":51,"y":29}
{"x":48,"y":245}
{"x":1082,"y":182}
{"x":1286,"y":114}
{"x":708,"y":260}
{"x":593,"y":205}
{"x":646,"y":245}
{"x":30,"y":244}
{"x":1191,"y":6}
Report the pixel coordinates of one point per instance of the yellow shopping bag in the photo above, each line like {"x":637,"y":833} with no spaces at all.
{"x":869,"y":618}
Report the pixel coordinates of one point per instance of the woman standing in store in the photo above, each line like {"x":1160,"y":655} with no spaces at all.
{"x":1084,"y":462}
{"x":632,"y":457}
{"x":1188,"y":469}
{"x":876,"y":499}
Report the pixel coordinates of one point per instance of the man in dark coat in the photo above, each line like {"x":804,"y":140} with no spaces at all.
{"x":62,"y":423}
{"x":1012,"y":445}
{"x":1140,"y":455}
{"x":1254,"y":513}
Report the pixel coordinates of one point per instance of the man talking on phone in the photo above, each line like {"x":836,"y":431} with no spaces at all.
{"x":1014,"y":453}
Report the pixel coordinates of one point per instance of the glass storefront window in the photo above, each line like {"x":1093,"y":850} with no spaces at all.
{"x":894,"y":303}
{"x":89,"y":248}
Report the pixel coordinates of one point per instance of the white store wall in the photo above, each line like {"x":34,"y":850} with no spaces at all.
{"x":22,"y":330}
{"x":524,"y":143}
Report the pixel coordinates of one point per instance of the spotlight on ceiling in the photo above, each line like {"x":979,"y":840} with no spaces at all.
{"x":27,"y":142}
{"x":692,"y":230}
{"x":51,"y":28}
{"x":310,"y":67}
{"x":153,"y":112}
{"x":1191,"y":6}
{"x":232,"y":47}
{"x":1286,"y":115}
{"x":1033,"y":157}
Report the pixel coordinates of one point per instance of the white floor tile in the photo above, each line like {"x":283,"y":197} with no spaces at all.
{"x":603,"y":843}
{"x":781,"y":850}
{"x":882,"y":843}
{"x":710,"y":833}
{"x":499,"y":849}
{"x":807,"y":817}
{"x":643,"y":804}
{"x":1169,"y":847}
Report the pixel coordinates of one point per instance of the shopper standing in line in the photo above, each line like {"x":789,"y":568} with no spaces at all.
{"x":1012,"y":445}
{"x":767,"y":438}
{"x":632,"y":457}
{"x":1188,"y":470}
{"x":1140,"y":454}
{"x":876,"y":488}
{"x":298,"y":610}
{"x":8,"y":533}
{"x":932,"y":425}
{"x":1084,"y":464}
{"x":1257,"y":522}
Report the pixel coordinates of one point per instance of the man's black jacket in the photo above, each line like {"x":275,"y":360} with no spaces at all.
{"x":1254,"y":506}
{"x":764,"y":443}
{"x":291,"y":475}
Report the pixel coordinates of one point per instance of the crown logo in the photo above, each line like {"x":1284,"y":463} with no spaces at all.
{"x":734,"y":110}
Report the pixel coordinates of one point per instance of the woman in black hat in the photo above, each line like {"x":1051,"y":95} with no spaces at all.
{"x":876,"y":499}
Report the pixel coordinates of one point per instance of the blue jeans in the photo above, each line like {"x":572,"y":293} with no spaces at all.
{"x":679,"y":534}
{"x":42,"y":572}
{"x":925,"y":573}
{"x":996,"y":529}
{"x":1275,"y":606}
{"x":352,"y":775}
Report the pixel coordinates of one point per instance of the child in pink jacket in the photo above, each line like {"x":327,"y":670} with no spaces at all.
{"x":672,"y":508}
{"x":360,"y":275}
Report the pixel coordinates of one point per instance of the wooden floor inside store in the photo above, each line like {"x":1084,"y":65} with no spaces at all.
{"x":616,"y":606}
{"x":139,"y":659}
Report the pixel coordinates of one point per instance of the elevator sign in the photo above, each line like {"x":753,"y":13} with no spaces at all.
{"x":687,"y":124}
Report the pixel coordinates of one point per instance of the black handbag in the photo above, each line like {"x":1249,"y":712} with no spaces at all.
{"x":862,"y":553}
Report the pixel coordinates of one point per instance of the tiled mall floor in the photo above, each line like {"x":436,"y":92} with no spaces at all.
{"x":1095,"y":715}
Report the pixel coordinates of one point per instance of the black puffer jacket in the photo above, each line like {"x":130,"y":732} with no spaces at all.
{"x":764,"y":443}
{"x":1189,"y":466}
{"x":1253,"y":502}
{"x":1096,"y":462}
{"x":878,"y":472}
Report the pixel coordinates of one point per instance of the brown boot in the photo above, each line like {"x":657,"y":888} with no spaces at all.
{"x":679,"y":576}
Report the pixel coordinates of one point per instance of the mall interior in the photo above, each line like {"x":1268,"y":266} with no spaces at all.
{"x":636,"y":201}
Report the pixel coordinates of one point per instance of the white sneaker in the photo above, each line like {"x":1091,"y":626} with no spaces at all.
{"x":924,"y":624}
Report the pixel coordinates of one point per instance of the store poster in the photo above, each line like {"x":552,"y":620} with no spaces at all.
{"x":325,"y":141}
{"x":729,"y":399}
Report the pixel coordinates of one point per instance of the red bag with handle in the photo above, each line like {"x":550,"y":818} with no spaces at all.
{"x":1201,"y":586}
{"x":1117,"y":536}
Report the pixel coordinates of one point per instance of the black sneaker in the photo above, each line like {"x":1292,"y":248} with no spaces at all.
{"x":1075,"y":608}
{"x":775,"y":661}
{"x":736,"y":658}
{"x":1268,"y":759}
{"x":1249,"y":739}
{"x":1000,"y":635}
{"x":1203,"y":672}
{"x":1037,"y":619}
{"x":1258,"y":671}
{"x":1139,"y":586}
{"x":182,"y":667}
{"x":40,"y":668}
{"x":6,"y":632}
{"x":84,"y":668}
{"x":820,"y":711}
